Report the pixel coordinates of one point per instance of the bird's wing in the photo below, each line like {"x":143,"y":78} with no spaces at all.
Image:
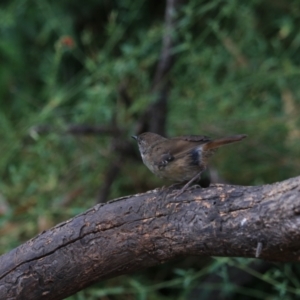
{"x":165,"y":159}
{"x":199,"y":139}
{"x":186,"y":143}
{"x":178,"y":147}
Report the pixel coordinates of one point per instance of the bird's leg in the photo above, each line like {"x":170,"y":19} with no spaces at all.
{"x":184,"y":188}
{"x":174,"y":185}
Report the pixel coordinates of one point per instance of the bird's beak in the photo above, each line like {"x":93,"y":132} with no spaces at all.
{"x":134,"y":137}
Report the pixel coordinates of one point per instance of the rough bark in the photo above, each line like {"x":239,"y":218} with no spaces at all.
{"x":144,"y":230}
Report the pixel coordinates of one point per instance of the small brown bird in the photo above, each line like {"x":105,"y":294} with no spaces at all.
{"x":182,"y":158}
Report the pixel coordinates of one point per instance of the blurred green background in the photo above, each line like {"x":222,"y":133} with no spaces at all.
{"x":76,"y":79}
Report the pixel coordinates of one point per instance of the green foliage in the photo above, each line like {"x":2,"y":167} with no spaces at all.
{"x":278,"y":283}
{"x":236,"y":71}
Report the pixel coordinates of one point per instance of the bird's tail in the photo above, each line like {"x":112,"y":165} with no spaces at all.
{"x":223,"y":141}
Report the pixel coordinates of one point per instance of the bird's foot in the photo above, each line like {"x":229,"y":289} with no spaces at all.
{"x":186,"y":187}
{"x":177,"y":193}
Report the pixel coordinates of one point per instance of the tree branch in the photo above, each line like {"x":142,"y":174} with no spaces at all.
{"x":111,"y":173}
{"x":166,"y":55}
{"x":144,"y":230}
{"x":76,"y":129}
{"x":154,"y":118}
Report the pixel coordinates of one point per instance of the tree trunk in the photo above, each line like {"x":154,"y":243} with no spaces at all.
{"x":143,"y":230}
